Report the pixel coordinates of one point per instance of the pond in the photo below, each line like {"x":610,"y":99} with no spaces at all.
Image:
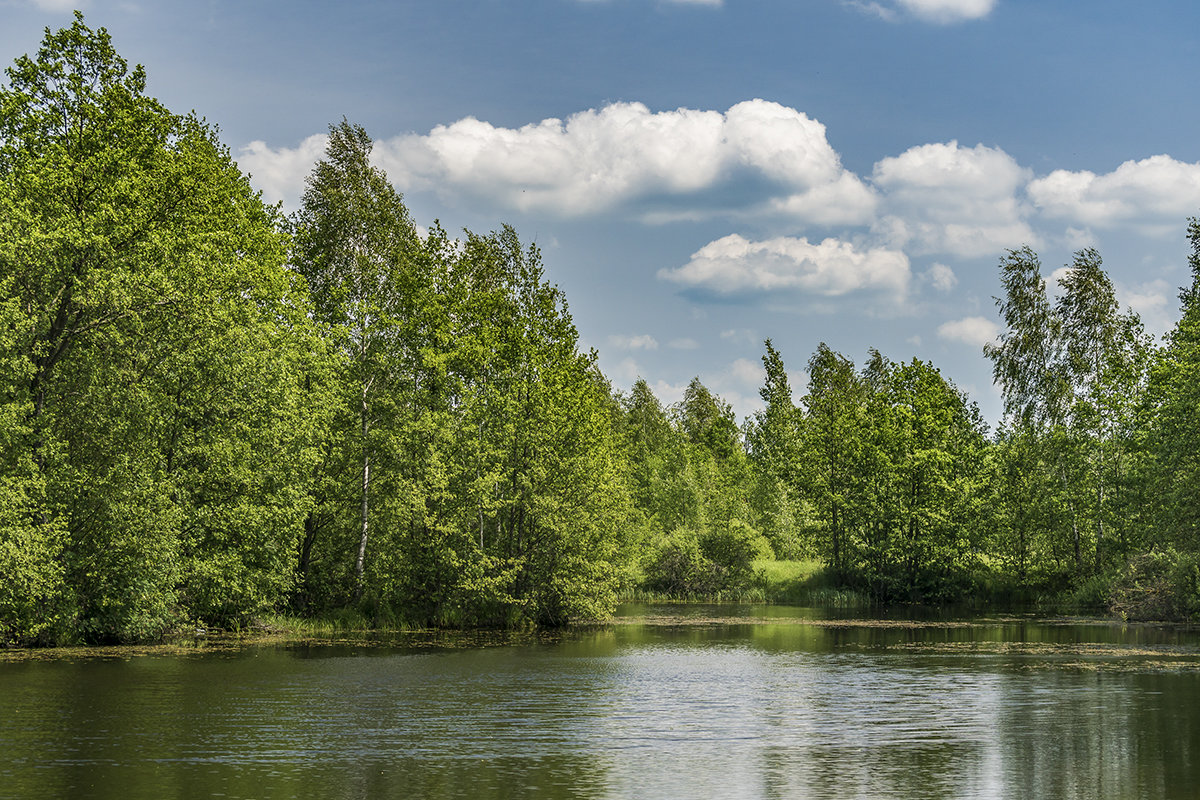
{"x":668,"y":702}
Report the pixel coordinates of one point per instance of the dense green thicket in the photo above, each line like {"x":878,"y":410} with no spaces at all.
{"x":209,"y":412}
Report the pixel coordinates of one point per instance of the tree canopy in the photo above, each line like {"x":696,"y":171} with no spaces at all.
{"x":210,"y":412}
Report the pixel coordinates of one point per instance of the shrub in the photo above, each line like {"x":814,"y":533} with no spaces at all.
{"x":680,"y":567}
{"x":1158,"y":586}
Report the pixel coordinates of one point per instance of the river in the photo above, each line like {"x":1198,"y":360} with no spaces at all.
{"x":668,"y":702}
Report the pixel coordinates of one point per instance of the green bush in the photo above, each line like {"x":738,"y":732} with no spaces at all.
{"x":732,"y":550}
{"x":690,"y":562}
{"x":1158,"y":586}
{"x":680,"y":567}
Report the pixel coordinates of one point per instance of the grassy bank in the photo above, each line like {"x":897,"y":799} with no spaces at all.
{"x":798,"y":583}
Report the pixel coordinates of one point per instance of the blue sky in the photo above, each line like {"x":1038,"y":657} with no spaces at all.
{"x":703,"y":174}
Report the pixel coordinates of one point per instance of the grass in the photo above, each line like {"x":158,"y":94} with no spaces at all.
{"x":801,"y":583}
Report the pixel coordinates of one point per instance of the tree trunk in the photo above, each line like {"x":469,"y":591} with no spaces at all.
{"x":366,"y":486}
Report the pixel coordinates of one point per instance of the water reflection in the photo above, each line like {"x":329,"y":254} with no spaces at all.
{"x":725,"y":707}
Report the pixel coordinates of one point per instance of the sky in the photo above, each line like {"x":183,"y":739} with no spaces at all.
{"x":701,"y":175}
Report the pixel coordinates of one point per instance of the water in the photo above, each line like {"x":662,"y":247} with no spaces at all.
{"x":700,"y":702}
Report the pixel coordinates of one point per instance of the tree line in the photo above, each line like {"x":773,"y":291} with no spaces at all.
{"x":210,"y":411}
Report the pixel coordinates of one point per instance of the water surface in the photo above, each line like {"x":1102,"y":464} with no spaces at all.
{"x":694,"y":702}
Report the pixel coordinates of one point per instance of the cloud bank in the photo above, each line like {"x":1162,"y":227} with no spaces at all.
{"x":762,"y":161}
{"x":735,"y":265}
{"x":597,"y":160}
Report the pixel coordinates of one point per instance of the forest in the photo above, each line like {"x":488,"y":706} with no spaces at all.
{"x":211,"y":411}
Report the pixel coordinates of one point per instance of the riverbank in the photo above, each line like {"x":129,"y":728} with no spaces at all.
{"x":809,"y":583}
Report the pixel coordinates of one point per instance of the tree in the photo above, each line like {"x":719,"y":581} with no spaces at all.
{"x":148,"y":279}
{"x":1072,"y":374}
{"x":773,"y":442}
{"x":1103,"y":362}
{"x":1023,"y":361}
{"x":938,"y":447}
{"x":835,"y":420}
{"x":354,"y":241}
{"x":549,"y":486}
{"x":1172,"y":440}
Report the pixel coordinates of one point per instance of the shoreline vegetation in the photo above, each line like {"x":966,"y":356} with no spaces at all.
{"x":214,"y":415}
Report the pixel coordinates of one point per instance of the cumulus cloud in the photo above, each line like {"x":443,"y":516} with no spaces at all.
{"x":942,"y":277}
{"x":641,"y":342}
{"x":941,"y":12}
{"x":279,"y":173}
{"x":624,"y":372}
{"x":738,"y":384}
{"x":735,"y":265}
{"x":668,"y":393}
{"x":1153,"y":301}
{"x":976,"y":331}
{"x":846,"y":200}
{"x":943,"y":198}
{"x":1146,"y":191}
{"x":748,"y":372}
{"x":947,"y":11}
{"x":595,"y":160}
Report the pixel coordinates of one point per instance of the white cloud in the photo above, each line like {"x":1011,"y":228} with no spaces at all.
{"x":640,"y":342}
{"x":942,"y":277}
{"x":738,"y":385}
{"x":1057,"y":277}
{"x":734,"y":265}
{"x":1157,"y":190}
{"x":843,"y":201}
{"x":683,"y":343}
{"x":280,"y":172}
{"x":1153,"y":301}
{"x":750,"y":373}
{"x":942,"y":12}
{"x":596,"y":160}
{"x":624,"y":372}
{"x":943,"y":198}
{"x":947,"y":11}
{"x":668,"y":393}
{"x":976,"y":331}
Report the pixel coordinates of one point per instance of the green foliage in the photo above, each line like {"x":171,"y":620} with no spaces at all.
{"x":159,"y":335}
{"x":1171,"y":439}
{"x":774,"y":444}
{"x":733,"y":549}
{"x":208,"y":414}
{"x":477,"y":451}
{"x":679,"y":567}
{"x":1158,"y":585}
{"x":692,"y":563}
{"x":1073,"y":376}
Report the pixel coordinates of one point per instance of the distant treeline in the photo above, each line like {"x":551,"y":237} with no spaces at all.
{"x":210,"y":412}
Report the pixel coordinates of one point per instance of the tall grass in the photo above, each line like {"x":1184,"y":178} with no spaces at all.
{"x":803,"y":583}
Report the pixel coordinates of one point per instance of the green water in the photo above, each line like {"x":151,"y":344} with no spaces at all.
{"x":702,"y":702}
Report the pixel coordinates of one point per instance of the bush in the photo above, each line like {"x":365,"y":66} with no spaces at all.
{"x":1158,"y":586}
{"x":689,"y":562}
{"x":733,"y":550}
{"x":679,"y":566}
